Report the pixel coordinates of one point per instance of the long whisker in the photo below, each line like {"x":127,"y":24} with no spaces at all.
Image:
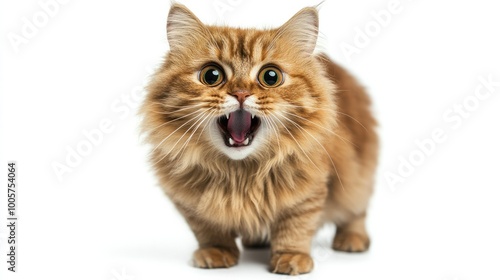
{"x":307,"y":107}
{"x":178,"y":140}
{"x":298,"y":144}
{"x":204,"y":127}
{"x":349,"y":116}
{"x":322,"y":127}
{"x":176,"y":119}
{"x":184,"y":147}
{"x":178,"y":110}
{"x":200,"y":121}
{"x":176,"y":106}
{"x":273,"y":127}
{"x":181,"y":126}
{"x":317,"y":141}
{"x":326,"y":109}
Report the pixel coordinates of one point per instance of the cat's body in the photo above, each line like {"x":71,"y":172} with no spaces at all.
{"x":282,"y":143}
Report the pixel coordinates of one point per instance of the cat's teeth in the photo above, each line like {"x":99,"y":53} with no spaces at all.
{"x":231,"y":141}
{"x":253,"y":116}
{"x":246,"y":141}
{"x":227,"y":116}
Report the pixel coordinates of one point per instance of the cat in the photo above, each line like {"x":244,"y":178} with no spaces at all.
{"x":254,"y":135}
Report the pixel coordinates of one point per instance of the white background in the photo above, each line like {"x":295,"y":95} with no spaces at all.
{"x":107,"y":218}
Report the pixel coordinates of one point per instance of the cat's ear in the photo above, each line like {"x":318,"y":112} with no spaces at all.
{"x":302,"y":29}
{"x":183,"y":27}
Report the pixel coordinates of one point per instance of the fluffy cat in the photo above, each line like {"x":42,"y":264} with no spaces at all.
{"x":254,"y":135}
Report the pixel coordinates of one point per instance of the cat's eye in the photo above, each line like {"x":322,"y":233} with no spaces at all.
{"x":211,"y":75}
{"x":270,"y":76}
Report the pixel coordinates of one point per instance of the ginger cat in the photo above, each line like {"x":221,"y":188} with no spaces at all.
{"x":254,"y":135}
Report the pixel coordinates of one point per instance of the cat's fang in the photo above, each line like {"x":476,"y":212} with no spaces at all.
{"x":238,"y":128}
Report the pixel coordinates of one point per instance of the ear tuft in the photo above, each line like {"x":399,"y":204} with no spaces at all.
{"x":183,"y":26}
{"x":302,"y":29}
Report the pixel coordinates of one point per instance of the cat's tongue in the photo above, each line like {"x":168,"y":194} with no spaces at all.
{"x":239,"y":125}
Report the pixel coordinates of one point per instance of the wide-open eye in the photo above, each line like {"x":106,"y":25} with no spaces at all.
{"x":270,"y":76}
{"x":211,"y":75}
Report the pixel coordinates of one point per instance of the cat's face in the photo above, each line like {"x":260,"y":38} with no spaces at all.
{"x":237,"y":91}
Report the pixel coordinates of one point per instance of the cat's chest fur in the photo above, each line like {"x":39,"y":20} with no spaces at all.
{"x":244,"y":197}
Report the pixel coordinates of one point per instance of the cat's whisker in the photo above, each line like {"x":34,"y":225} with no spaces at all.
{"x":177,"y":129}
{"x":276,"y":130}
{"x":197,"y":123}
{"x":322,"y":127}
{"x":199,"y":118}
{"x":176,"y":119}
{"x":205,"y":126}
{"x":297,"y":142}
{"x":178,"y":110}
{"x":307,"y":107}
{"x":319,"y":143}
{"x":184,"y":146}
{"x":349,"y":116}
{"x":176,"y":106}
{"x":326,"y":109}
{"x":168,"y":153}
{"x":273,"y":127}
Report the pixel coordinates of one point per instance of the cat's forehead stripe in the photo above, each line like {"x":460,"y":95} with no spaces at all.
{"x":244,"y":45}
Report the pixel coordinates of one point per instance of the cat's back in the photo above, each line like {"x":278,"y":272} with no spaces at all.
{"x":355,"y":120}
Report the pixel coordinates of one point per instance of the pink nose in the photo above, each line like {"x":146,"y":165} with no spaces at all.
{"x":241,"y":95}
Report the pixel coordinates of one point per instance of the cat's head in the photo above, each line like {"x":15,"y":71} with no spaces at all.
{"x":242,"y":93}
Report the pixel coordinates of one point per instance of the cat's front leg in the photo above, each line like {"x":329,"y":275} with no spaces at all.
{"x":217,"y":248}
{"x":291,"y":238}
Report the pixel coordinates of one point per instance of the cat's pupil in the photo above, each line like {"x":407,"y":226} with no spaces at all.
{"x":271,"y":77}
{"x":212,"y":76}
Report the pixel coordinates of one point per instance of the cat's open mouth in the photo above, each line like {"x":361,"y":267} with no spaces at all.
{"x":238,"y":128}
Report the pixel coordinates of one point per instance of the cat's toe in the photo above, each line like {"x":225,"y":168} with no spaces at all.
{"x":346,"y":241}
{"x":214,"y":257}
{"x":291,"y":263}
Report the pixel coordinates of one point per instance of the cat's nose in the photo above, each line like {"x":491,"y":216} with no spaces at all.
{"x":241,"y":95}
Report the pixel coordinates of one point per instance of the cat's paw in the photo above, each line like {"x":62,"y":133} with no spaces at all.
{"x":346,"y":241}
{"x":214,"y":257}
{"x":291,"y":263}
